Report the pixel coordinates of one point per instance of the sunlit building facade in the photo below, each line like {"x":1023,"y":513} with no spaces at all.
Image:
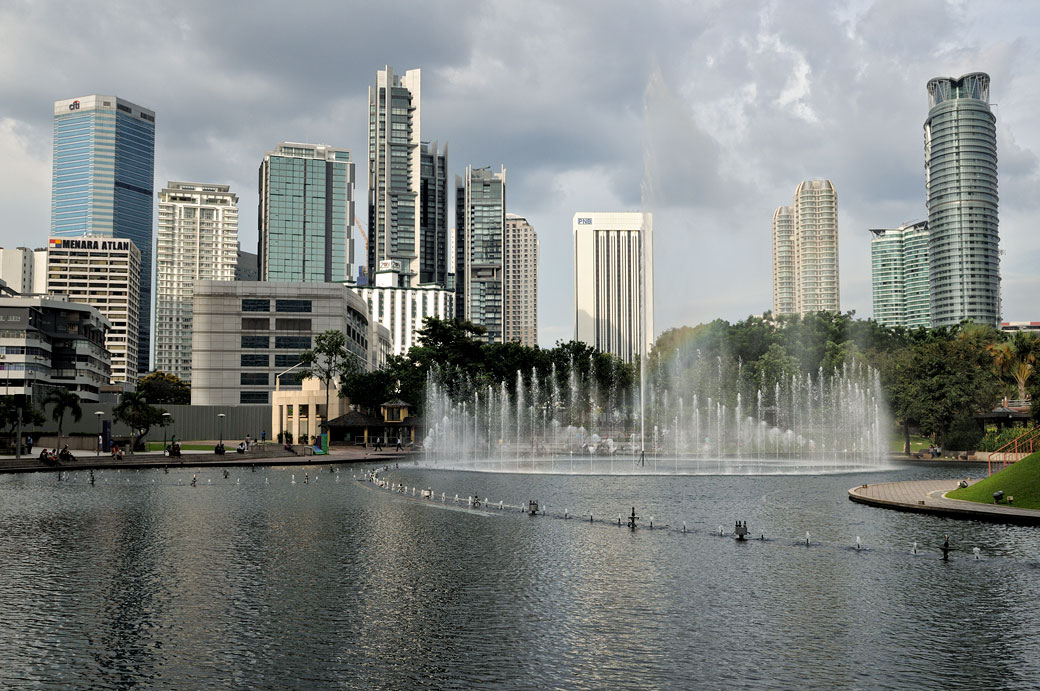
{"x":805,"y":251}
{"x":899,"y":275}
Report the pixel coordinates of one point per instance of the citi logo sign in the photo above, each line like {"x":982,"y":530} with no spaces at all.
{"x":74,"y":105}
{"x":584,"y":221}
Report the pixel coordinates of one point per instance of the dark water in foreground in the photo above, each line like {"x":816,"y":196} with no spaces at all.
{"x":332,"y":584}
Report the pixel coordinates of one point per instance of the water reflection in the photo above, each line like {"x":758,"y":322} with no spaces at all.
{"x":238,"y":583}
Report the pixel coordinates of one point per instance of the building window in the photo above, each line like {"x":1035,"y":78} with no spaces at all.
{"x":292,"y":324}
{"x":255,"y":359}
{"x":257,"y":342}
{"x":255,"y":305}
{"x":256,"y":324}
{"x":254,"y":379}
{"x":283,"y":360}
{"x":295,"y":342}
{"x":292,"y":305}
{"x":252,"y":397}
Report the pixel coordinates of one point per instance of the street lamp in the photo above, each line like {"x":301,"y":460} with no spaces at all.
{"x":164,"y":416}
{"x":99,"y":413}
{"x":221,"y":417}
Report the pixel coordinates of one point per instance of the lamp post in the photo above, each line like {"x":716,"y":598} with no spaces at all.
{"x":164,"y":416}
{"x":99,"y":413}
{"x":221,"y":416}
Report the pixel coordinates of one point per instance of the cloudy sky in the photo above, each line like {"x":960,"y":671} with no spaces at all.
{"x":736,"y":103}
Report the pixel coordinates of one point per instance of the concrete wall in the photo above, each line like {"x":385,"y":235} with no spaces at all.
{"x":190,"y":422}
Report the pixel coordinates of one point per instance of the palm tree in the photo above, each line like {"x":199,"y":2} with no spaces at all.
{"x":64,"y":401}
{"x":134,"y":410}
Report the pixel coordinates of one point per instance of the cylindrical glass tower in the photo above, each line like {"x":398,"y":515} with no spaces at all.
{"x":960,"y":160}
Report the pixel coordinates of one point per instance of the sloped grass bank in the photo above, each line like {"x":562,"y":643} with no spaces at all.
{"x":1019,"y":480}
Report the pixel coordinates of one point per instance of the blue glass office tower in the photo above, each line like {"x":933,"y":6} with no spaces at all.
{"x":102,"y":182}
{"x":306,"y":215}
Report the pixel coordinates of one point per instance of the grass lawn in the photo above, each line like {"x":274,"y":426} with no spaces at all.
{"x":1019,"y":480}
{"x":916,"y":442}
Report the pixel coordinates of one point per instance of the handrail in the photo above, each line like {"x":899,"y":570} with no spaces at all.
{"x":1024,"y":443}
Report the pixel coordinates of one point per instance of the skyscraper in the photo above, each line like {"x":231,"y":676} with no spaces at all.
{"x":306,"y":214}
{"x":805,"y":251}
{"x":480,"y":220}
{"x":394,"y":169}
{"x":197,"y":241}
{"x":960,"y":163}
{"x":433,"y":215}
{"x":102,"y":182}
{"x":614,"y":282}
{"x":899,"y":275}
{"x":520,"y":321}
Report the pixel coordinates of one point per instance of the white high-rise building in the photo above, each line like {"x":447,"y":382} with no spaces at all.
{"x":520,"y":300}
{"x":105,"y":273}
{"x":17,"y":268}
{"x":197,"y":240}
{"x":614,"y":282}
{"x":402,"y":310}
{"x":805,"y":251}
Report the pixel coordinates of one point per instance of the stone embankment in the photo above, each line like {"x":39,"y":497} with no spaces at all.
{"x":929,"y":496}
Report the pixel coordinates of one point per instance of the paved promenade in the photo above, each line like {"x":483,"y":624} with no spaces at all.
{"x":926,"y":496}
{"x":273,"y":455}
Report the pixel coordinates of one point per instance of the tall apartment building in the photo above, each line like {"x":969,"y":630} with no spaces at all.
{"x":49,"y":341}
{"x":17,"y":268}
{"x":102,"y":182}
{"x":960,"y":163}
{"x":306,"y":216}
{"x":197,"y":240}
{"x":520,"y":300}
{"x":247,"y":335}
{"x":899,"y":275}
{"x":805,"y":251}
{"x":480,"y":223}
{"x":104,"y":273}
{"x":614,"y":282}
{"x":402,"y":310}
{"x":407,"y":184}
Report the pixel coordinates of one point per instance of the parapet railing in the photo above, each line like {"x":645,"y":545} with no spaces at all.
{"x":1025,"y":443}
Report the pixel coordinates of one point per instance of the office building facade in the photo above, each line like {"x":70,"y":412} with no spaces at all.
{"x":433,"y":216}
{"x":103,"y":182}
{"x":244,"y":334}
{"x":47,"y":342}
{"x":805,"y":251}
{"x":520,"y":302}
{"x":960,"y":150}
{"x":197,"y":240}
{"x":104,"y":273}
{"x":899,"y":275}
{"x":480,"y":223}
{"x":306,"y":215}
{"x":614,"y":282}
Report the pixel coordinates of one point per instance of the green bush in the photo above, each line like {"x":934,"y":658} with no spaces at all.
{"x":964,"y":435}
{"x":994,"y":440}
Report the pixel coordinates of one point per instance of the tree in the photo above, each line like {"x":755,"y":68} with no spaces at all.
{"x":138,"y":414}
{"x":328,"y":360}
{"x":163,"y":388}
{"x":64,"y":401}
{"x":9,"y":407}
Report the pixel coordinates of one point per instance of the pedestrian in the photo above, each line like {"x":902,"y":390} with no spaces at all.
{"x":247,"y":442}
{"x":28,"y":443}
{"x":379,"y":444}
{"x":399,"y":447}
{"x":263,"y":436}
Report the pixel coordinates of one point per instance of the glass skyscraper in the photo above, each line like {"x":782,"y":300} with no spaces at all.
{"x":899,"y":275}
{"x":102,"y":182}
{"x":480,"y":227}
{"x":805,"y":251}
{"x":960,"y":162}
{"x":306,"y":214}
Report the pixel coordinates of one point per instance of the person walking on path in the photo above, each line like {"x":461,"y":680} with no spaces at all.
{"x":28,"y":443}
{"x":379,"y":444}
{"x":399,"y":447}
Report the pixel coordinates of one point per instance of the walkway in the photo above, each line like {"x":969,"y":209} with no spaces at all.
{"x":156,"y":459}
{"x":926,"y":496}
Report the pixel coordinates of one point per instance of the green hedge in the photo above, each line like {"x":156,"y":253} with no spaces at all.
{"x":993,"y":440}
